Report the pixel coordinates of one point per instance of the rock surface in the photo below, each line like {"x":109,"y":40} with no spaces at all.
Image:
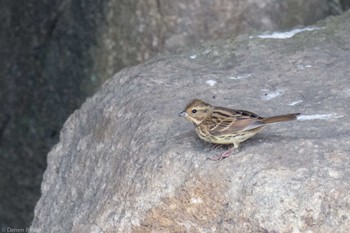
{"x":126,"y":162}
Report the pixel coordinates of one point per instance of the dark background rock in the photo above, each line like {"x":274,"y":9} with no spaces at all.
{"x":138,"y":30}
{"x":126,"y":162}
{"x":46,"y":73}
{"x":56,"y":53}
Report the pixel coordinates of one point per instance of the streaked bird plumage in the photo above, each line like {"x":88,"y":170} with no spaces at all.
{"x":220,"y":125}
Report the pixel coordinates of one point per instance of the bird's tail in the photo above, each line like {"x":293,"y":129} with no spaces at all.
{"x":281,"y":118}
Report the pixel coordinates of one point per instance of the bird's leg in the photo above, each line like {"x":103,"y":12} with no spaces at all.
{"x":216,"y":146}
{"x":220,"y":157}
{"x":225,"y":154}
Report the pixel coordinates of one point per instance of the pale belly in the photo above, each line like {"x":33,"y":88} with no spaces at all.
{"x":234,"y":139}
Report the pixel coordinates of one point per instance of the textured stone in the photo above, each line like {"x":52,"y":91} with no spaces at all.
{"x":139,"y":30}
{"x":126,"y":162}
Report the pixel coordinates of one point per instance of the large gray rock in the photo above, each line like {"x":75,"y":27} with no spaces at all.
{"x":126,"y":162}
{"x":55,"y":53}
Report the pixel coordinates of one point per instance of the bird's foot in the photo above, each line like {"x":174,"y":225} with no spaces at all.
{"x":216,"y":146}
{"x":222,"y":156}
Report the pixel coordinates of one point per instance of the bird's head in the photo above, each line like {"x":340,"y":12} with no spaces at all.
{"x":196,"y":111}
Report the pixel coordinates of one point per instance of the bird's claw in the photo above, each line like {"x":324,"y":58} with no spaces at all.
{"x":222,"y":156}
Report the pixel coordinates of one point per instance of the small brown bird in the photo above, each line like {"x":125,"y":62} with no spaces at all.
{"x":221,"y":125}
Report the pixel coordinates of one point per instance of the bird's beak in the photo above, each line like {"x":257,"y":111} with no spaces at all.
{"x":182,"y":114}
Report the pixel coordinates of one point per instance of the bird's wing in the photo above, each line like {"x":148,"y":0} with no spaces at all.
{"x":227,"y":121}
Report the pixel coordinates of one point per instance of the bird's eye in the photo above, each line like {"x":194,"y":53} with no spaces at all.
{"x":194,"y":110}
